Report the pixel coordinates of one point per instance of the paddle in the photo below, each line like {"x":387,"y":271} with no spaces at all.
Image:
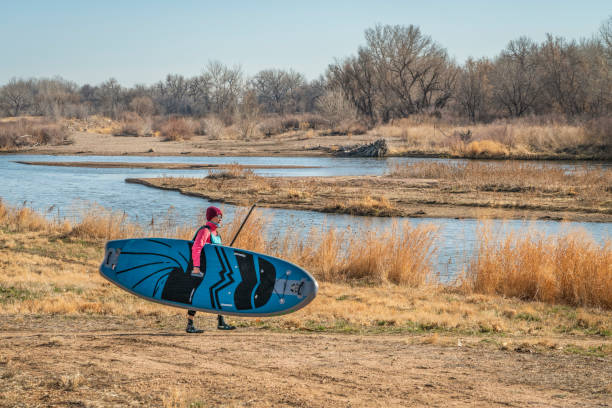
{"x":242,"y":225}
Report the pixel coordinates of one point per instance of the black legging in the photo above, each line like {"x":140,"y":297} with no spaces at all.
{"x":192,"y":313}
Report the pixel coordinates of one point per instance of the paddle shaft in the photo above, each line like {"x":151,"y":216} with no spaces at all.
{"x":242,"y":225}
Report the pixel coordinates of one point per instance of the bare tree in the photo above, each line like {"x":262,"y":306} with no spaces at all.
{"x":605,"y":31}
{"x":199,"y":92}
{"x":16,"y":96}
{"x":411,"y":67}
{"x":563,"y":75}
{"x":248,"y":114}
{"x":278,"y":90}
{"x":173,"y":94}
{"x":109,"y":96}
{"x":143,"y":106}
{"x":515,"y":80}
{"x":336,"y":108}
{"x":399,"y":72}
{"x":473,"y":88}
{"x":356,"y":77}
{"x":309,"y":93}
{"x":53,"y":96}
{"x":597,"y":77}
{"x":225,"y":88}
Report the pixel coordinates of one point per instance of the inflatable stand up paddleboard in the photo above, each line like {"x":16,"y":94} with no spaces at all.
{"x":236,"y":282}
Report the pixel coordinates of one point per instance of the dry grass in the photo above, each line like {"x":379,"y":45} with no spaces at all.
{"x":506,"y":189}
{"x":233,"y":171}
{"x":566,"y":269}
{"x":331,"y":254}
{"x":45,"y":276}
{"x":71,"y":382}
{"x":368,"y":205}
{"x":32,"y":132}
{"x":521,"y":138}
{"x":55,"y":273}
{"x":586,"y":184}
{"x":486,"y":148}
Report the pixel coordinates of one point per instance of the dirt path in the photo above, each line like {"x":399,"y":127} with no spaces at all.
{"x":89,"y":364}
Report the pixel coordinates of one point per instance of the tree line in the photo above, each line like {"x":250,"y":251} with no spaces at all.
{"x":398,"y":72}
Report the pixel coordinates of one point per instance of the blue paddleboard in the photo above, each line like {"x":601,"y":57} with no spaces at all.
{"x":236,"y":282}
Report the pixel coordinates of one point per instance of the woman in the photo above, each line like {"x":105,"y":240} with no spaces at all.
{"x":205,"y":235}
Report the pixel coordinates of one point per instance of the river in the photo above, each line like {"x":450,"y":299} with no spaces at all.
{"x":66,"y":191}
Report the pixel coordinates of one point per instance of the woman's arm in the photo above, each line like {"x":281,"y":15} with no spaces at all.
{"x":198,"y":243}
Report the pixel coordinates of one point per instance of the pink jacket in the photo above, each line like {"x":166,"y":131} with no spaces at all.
{"x":202,"y":238}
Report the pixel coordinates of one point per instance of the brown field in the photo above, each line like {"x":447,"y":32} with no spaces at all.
{"x":70,"y":338}
{"x":472,"y":190}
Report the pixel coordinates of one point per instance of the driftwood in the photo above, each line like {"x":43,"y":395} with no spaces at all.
{"x":376,"y":149}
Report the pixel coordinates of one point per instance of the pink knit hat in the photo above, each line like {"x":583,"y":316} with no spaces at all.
{"x":212,"y":212}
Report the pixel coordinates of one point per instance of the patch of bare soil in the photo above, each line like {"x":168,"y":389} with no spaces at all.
{"x":385,"y":196}
{"x":58,"y":361}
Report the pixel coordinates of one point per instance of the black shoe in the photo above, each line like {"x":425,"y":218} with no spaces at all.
{"x":221,"y":325}
{"x":191,"y":329}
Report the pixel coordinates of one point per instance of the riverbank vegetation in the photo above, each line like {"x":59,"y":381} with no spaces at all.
{"x":28,"y":132}
{"x":383,"y":276}
{"x":533,"y":101}
{"x":420,"y":189}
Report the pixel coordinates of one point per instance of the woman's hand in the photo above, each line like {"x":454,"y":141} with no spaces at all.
{"x":196,"y":272}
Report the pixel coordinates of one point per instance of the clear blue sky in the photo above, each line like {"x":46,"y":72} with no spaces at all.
{"x":142,"y":41}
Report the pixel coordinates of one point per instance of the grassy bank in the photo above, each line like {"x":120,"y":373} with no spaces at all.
{"x":472,"y":190}
{"x":514,"y":287}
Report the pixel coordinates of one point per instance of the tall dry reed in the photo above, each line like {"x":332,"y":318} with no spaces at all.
{"x":504,"y":138}
{"x":568,"y":268}
{"x":401,"y":255}
{"x":24,"y":218}
{"x":585,"y":182}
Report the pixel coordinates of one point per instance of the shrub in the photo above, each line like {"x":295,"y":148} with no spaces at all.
{"x":350,"y":127}
{"x":290,"y":123}
{"x":26,"y":132}
{"x":600,"y":131}
{"x":143,"y":106}
{"x":132,"y":124}
{"x":177,"y":128}
{"x":213,"y":127}
{"x":271,"y":126}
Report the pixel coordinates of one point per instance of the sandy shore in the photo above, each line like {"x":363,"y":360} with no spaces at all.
{"x":288,"y":144}
{"x":172,"y":166}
